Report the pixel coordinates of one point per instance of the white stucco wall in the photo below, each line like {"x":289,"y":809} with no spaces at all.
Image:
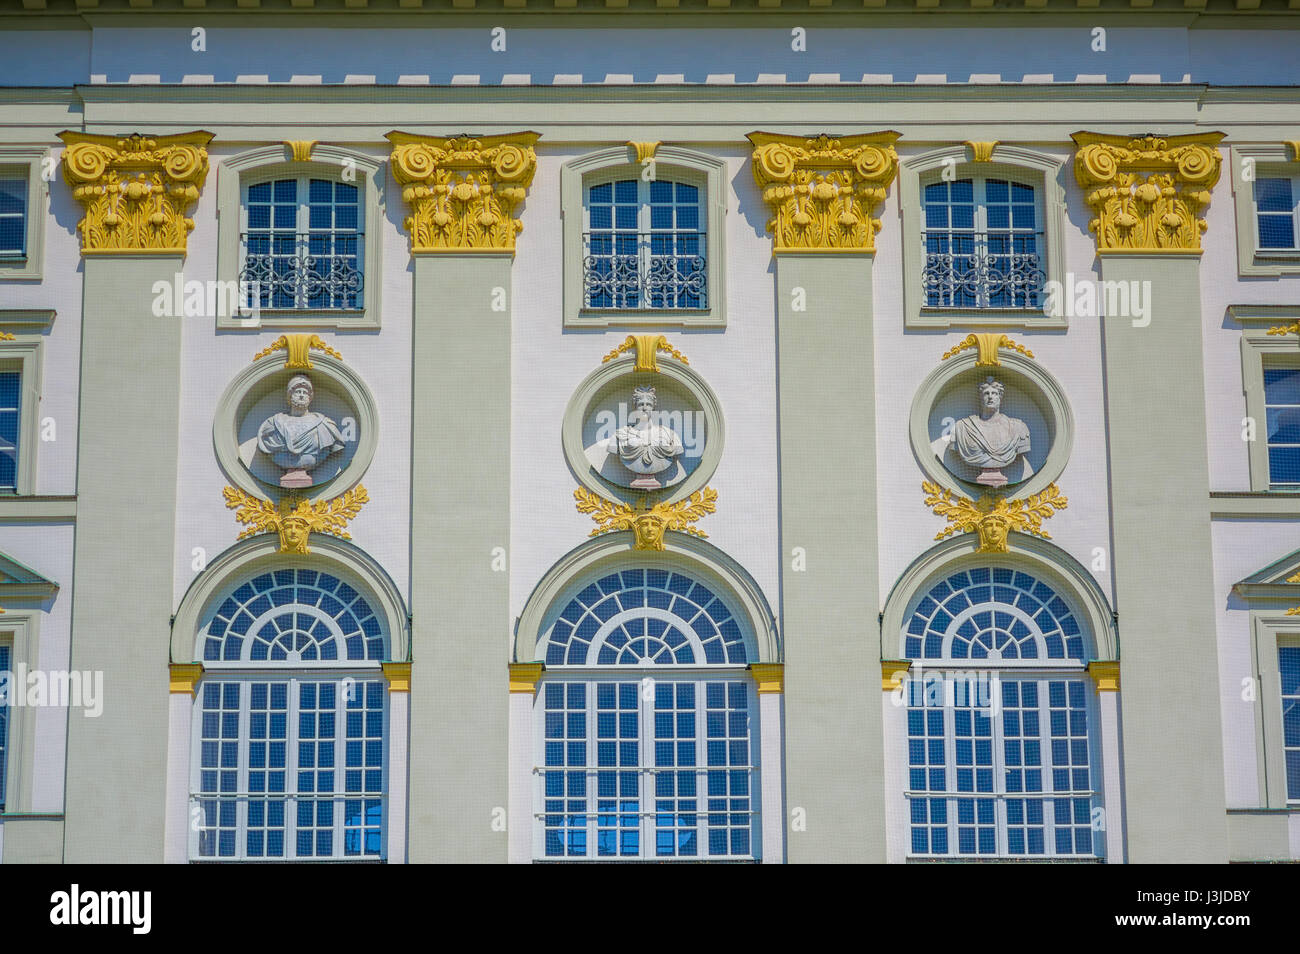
{"x":904,"y":358}
{"x":549,"y":363}
{"x":210,"y":359}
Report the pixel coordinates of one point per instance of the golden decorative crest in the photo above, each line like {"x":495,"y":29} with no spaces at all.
{"x":1291,"y":329}
{"x":300,"y":149}
{"x":298,"y":349}
{"x":6,"y":336}
{"x":1294,"y":146}
{"x":647,"y":348}
{"x":988,"y":344}
{"x":135,"y":189}
{"x":824,"y":191}
{"x":463,"y":191}
{"x":648,"y":523}
{"x":982,"y":151}
{"x":1148,"y":193}
{"x":295,"y":518}
{"x":644,"y":150}
{"x":993,"y":517}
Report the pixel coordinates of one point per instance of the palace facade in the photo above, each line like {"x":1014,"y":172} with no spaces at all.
{"x":696,"y":431}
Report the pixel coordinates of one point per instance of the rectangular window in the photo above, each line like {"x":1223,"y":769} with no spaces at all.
{"x":1288,"y":663}
{"x":644,"y":247}
{"x":291,"y":769}
{"x":10,"y":427}
{"x":983,"y":245}
{"x":1282,"y":408}
{"x":1276,"y":213}
{"x":634,"y":774}
{"x":303,"y":245}
{"x":999,"y":767}
{"x":6,"y":663}
{"x":13,"y":216}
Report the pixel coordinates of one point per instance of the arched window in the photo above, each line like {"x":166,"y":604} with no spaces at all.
{"x":291,"y":723}
{"x":1001,"y":720}
{"x":648,"y":741}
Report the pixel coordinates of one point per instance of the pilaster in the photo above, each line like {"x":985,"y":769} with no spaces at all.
{"x":462,"y":194}
{"x":823,"y":193}
{"x":1148,"y":195}
{"x":135,"y":192}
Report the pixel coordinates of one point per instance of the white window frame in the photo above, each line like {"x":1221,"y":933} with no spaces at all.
{"x":295,"y":676}
{"x":1258,"y":348}
{"x":1042,"y":172}
{"x":670,"y":162}
{"x":20,"y":631}
{"x":23,"y":354}
{"x":28,"y":162}
{"x":1251,"y":162}
{"x":646,"y":677}
{"x":1271,"y":630}
{"x":236,"y":173}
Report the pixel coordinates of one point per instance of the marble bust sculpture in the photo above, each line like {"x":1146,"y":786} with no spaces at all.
{"x":299,"y":439}
{"x":989,"y":441}
{"x":648,"y":450}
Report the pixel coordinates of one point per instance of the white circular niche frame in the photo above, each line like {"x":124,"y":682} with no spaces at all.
{"x":334,"y":444}
{"x":632,"y":434}
{"x":1005,"y":429}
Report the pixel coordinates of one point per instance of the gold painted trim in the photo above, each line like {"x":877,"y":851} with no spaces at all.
{"x":648,"y":523}
{"x":295,"y":518}
{"x":982,"y":151}
{"x":1118,"y":252}
{"x":993,"y":517}
{"x":1294,"y":146}
{"x":824,"y":191}
{"x":647,"y":348}
{"x":183,"y":677}
{"x":988,"y":344}
{"x":1105,"y":674}
{"x":463,"y":190}
{"x":300,"y":149}
{"x":768,"y":677}
{"x":135,"y":190}
{"x":1148,"y":193}
{"x":297,"y":350}
{"x":7,"y":336}
{"x":892,"y":673}
{"x":644,"y":150}
{"x":524,"y":677}
{"x":398,"y":675}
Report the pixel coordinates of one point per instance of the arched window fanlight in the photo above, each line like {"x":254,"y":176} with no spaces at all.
{"x":294,"y":616}
{"x":646,"y":616}
{"x":995,"y":614}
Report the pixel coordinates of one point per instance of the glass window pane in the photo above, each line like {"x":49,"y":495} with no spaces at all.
{"x":1276,"y":231}
{"x":1273,"y":195}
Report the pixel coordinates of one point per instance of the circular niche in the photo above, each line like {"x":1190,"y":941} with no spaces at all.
{"x":628,"y":434}
{"x":1016,"y":447}
{"x":269,"y":451}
